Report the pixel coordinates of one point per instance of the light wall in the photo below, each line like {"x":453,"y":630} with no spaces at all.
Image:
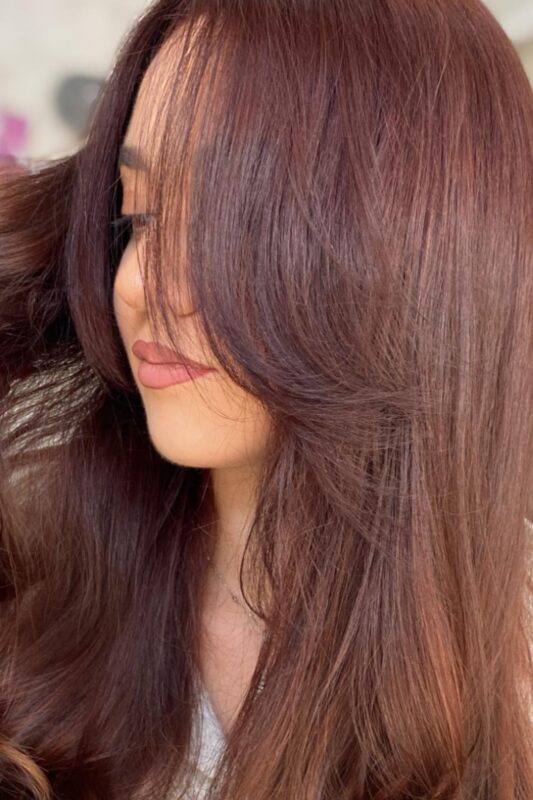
{"x":42,"y":43}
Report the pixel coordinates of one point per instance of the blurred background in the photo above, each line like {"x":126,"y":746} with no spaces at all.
{"x":54,"y":55}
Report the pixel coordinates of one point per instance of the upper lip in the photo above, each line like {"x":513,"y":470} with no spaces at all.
{"x":156,"y":353}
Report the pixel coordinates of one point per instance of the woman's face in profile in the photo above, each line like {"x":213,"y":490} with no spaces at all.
{"x":208,"y":421}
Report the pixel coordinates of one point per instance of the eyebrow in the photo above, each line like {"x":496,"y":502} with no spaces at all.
{"x":131,"y":157}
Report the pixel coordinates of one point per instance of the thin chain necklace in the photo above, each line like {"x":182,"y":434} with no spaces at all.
{"x":239,"y":602}
{"x":235,"y":598}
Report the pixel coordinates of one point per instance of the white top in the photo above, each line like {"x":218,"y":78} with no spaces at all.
{"x":212,"y":737}
{"x":212,"y":740}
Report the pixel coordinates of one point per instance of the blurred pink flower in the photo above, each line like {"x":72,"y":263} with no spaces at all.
{"x":13,"y":133}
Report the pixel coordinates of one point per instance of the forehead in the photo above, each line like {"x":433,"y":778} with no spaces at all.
{"x":156,"y":86}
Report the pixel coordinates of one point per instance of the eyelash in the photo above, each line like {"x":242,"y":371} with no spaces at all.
{"x":128,"y":223}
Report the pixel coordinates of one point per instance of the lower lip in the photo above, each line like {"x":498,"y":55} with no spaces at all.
{"x":158,"y":376}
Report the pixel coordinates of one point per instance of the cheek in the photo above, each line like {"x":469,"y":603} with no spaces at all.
{"x":118,"y":303}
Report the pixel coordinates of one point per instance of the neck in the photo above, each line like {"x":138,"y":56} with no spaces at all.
{"x":234,"y":494}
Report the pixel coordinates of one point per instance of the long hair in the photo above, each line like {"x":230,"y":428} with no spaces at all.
{"x":358,"y":216}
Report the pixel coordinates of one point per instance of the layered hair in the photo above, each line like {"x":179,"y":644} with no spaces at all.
{"x":358,"y":246}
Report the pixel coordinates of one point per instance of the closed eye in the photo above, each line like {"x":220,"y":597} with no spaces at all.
{"x":130,"y":221}
{"x":126,"y":225}
{"x":126,"y":229}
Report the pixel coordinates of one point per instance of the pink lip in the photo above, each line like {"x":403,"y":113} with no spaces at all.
{"x":159,"y":376}
{"x":157,"y":353}
{"x":160,"y":367}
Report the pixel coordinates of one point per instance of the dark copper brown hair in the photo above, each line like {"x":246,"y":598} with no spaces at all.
{"x":359,"y":251}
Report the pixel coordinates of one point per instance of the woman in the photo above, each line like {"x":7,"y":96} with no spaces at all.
{"x":316,"y":543}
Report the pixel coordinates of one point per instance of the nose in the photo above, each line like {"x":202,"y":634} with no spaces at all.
{"x":130,"y":290}
{"x":128,"y":286}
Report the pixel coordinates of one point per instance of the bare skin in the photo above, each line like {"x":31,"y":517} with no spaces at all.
{"x":229,"y":648}
{"x":225,"y":435}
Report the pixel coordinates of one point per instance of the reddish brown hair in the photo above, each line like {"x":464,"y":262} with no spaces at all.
{"x":359,"y":248}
